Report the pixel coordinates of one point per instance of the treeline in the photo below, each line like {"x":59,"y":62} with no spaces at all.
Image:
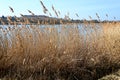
{"x":41,"y":19}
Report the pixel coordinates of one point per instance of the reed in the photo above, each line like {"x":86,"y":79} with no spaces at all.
{"x":57,"y":51}
{"x":69,"y":51}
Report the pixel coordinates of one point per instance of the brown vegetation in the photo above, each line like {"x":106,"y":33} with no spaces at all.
{"x":59,"y":52}
{"x":69,"y":51}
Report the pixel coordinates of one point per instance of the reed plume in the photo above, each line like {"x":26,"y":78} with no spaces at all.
{"x":22,"y":15}
{"x":76,"y":14}
{"x":98,"y":16}
{"x":114,"y":17}
{"x":107,"y":15}
{"x":11,"y":9}
{"x":90,"y":17}
{"x":59,"y":12}
{"x":53,"y":8}
{"x":50,"y":14}
{"x":44,"y":8}
{"x":54,"y":11}
{"x":31,"y":12}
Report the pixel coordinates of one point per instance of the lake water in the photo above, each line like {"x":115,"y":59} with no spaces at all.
{"x":83,"y":29}
{"x":84,"y":32}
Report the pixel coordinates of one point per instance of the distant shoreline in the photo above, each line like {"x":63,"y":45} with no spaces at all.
{"x":42,"y":19}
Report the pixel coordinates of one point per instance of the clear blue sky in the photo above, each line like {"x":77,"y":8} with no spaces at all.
{"x":84,"y":8}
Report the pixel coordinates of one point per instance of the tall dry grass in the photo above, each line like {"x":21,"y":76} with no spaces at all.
{"x":65,"y":52}
{"x":85,"y":51}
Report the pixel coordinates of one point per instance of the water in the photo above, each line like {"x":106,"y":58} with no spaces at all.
{"x":84,"y":30}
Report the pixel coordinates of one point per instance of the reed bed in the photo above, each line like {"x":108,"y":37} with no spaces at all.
{"x":59,"y":52}
{"x":70,"y":51}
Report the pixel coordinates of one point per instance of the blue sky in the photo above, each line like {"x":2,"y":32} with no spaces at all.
{"x":84,"y":8}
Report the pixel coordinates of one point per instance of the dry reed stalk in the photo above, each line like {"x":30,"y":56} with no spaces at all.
{"x":44,"y":8}
{"x":42,"y":49}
